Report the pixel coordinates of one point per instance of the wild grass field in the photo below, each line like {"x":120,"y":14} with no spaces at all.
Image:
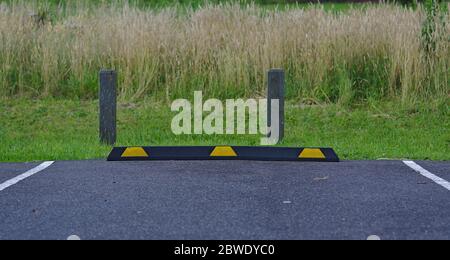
{"x":225,"y":50}
{"x":370,"y":80}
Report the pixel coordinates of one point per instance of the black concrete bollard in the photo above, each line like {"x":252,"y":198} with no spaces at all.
{"x":276,"y":91}
{"x":108,"y":103}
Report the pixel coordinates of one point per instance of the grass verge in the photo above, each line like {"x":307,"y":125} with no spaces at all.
{"x":68,"y":130}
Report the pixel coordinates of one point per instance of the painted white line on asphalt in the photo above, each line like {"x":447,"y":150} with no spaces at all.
{"x":373,"y":238}
{"x":73,"y":238}
{"x":428,"y":174}
{"x":25,"y":175}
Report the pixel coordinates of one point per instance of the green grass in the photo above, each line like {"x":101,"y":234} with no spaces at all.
{"x":57,"y":129}
{"x":68,"y":130}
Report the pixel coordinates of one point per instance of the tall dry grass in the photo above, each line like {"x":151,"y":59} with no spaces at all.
{"x":375,"y":53}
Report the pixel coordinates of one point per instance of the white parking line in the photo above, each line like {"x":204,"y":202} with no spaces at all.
{"x":373,"y":238}
{"x":73,"y":238}
{"x":428,"y":174}
{"x":25,"y":175}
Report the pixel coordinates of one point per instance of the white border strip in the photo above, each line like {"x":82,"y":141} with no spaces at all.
{"x":25,"y":175}
{"x":428,"y":174}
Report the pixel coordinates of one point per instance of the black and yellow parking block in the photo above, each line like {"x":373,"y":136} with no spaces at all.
{"x":222,"y":153}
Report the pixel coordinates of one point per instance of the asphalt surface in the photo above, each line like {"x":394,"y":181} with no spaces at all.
{"x":225,"y":200}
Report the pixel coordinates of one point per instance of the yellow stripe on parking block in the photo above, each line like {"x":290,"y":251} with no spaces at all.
{"x":223,"y":151}
{"x":134,"y":152}
{"x":311,"y":153}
